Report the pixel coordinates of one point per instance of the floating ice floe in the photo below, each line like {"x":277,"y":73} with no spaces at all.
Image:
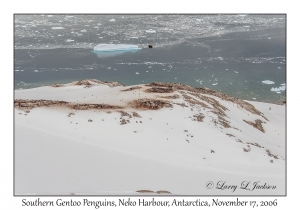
{"x":150,"y":31}
{"x":115,"y":47}
{"x":236,"y":72}
{"x":83,"y":30}
{"x":69,"y":40}
{"x":109,"y":50}
{"x":137,"y":73}
{"x":215,"y":84}
{"x":242,"y":15}
{"x":96,"y":27}
{"x":49,"y":15}
{"x":199,"y":20}
{"x":268,"y":82}
{"x":112,"y":20}
{"x":254,"y":98}
{"x":283,"y":84}
{"x":134,"y":37}
{"x":57,"y":28}
{"x":279,"y":67}
{"x":279,"y":89}
{"x":99,"y":24}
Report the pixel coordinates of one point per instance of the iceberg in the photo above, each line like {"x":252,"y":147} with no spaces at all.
{"x":268,"y":82}
{"x":108,"y":50}
{"x":57,"y":28}
{"x":150,"y":31}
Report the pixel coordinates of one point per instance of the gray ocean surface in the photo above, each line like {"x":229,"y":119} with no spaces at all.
{"x":240,"y":55}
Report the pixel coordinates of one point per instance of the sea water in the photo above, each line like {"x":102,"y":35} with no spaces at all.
{"x":218,"y":52}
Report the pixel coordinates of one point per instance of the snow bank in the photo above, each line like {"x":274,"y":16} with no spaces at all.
{"x":136,"y":149}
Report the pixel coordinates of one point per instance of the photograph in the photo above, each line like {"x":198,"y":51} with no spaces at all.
{"x":149,"y":104}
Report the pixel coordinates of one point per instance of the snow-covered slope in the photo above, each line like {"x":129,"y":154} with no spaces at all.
{"x":154,"y":137}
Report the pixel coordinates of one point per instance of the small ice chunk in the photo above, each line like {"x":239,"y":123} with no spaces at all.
{"x":96,"y":27}
{"x":199,"y":20}
{"x":254,"y":98}
{"x":146,"y":71}
{"x":122,"y":16}
{"x":83,"y":30}
{"x":99,"y":24}
{"x":278,"y":92}
{"x":236,"y":72}
{"x":283,"y":84}
{"x":36,"y":71}
{"x":134,"y":37}
{"x":269,"y":37}
{"x":112,"y":20}
{"x":279,"y":67}
{"x":137,"y":73}
{"x":279,"y":89}
{"x":49,"y":15}
{"x":175,"y":78}
{"x":215,"y":84}
{"x":69,"y":40}
{"x":150,"y":31}
{"x":268,"y":82}
{"x":57,"y":28}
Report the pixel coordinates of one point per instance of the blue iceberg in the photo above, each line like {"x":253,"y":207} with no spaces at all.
{"x":109,"y":50}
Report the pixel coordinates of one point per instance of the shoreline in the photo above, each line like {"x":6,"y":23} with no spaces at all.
{"x":278,"y":102}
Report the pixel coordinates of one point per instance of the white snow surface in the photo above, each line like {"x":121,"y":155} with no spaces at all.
{"x":57,"y":154}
